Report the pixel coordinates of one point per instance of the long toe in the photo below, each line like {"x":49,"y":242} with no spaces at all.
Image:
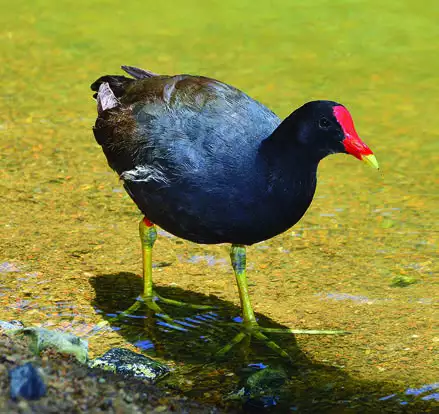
{"x":258,"y":332}
{"x":174,"y":302}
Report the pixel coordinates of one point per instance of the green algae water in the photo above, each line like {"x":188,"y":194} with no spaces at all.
{"x":363,"y":259}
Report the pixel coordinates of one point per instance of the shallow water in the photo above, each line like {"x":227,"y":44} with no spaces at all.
{"x":363,"y":259}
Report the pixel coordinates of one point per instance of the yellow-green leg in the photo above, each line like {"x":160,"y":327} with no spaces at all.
{"x":250,"y":326}
{"x":148,"y":236}
{"x":148,"y":298}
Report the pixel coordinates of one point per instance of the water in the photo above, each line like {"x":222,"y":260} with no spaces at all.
{"x":314,"y":382}
{"x":363,"y":259}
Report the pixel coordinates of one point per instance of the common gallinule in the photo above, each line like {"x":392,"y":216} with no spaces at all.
{"x":207,"y":163}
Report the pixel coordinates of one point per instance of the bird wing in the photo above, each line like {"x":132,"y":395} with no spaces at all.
{"x":158,"y":128}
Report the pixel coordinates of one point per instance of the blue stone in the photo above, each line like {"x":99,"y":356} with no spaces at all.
{"x":26,"y":383}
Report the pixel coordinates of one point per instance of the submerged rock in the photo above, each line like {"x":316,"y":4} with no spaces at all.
{"x":26,"y":382}
{"x":8,"y":267}
{"x":9,"y":325}
{"x":261,"y":389}
{"x":403,"y":281}
{"x":62,"y":342}
{"x":124,"y":361}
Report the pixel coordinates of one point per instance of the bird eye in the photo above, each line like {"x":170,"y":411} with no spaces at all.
{"x":324,"y":123}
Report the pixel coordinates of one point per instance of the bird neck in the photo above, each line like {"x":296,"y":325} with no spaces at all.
{"x":282,"y":152}
{"x":290,"y":171}
{"x":291,"y":140}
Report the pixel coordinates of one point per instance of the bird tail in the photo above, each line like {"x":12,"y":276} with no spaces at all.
{"x":110,"y":88}
{"x":117,"y":83}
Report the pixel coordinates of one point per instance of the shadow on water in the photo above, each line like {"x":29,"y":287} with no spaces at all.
{"x":307,"y":385}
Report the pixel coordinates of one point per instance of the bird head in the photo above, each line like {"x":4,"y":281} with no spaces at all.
{"x":326,"y":127}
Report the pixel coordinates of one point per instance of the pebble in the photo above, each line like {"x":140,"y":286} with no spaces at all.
{"x":26,"y":383}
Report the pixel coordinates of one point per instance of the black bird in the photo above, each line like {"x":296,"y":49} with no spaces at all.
{"x":207,"y":163}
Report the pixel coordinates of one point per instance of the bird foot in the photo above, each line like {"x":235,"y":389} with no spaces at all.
{"x":248,"y":331}
{"x":254,"y":330}
{"x":152,"y":303}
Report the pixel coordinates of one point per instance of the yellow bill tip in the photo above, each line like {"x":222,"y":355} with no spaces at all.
{"x":371,"y":160}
